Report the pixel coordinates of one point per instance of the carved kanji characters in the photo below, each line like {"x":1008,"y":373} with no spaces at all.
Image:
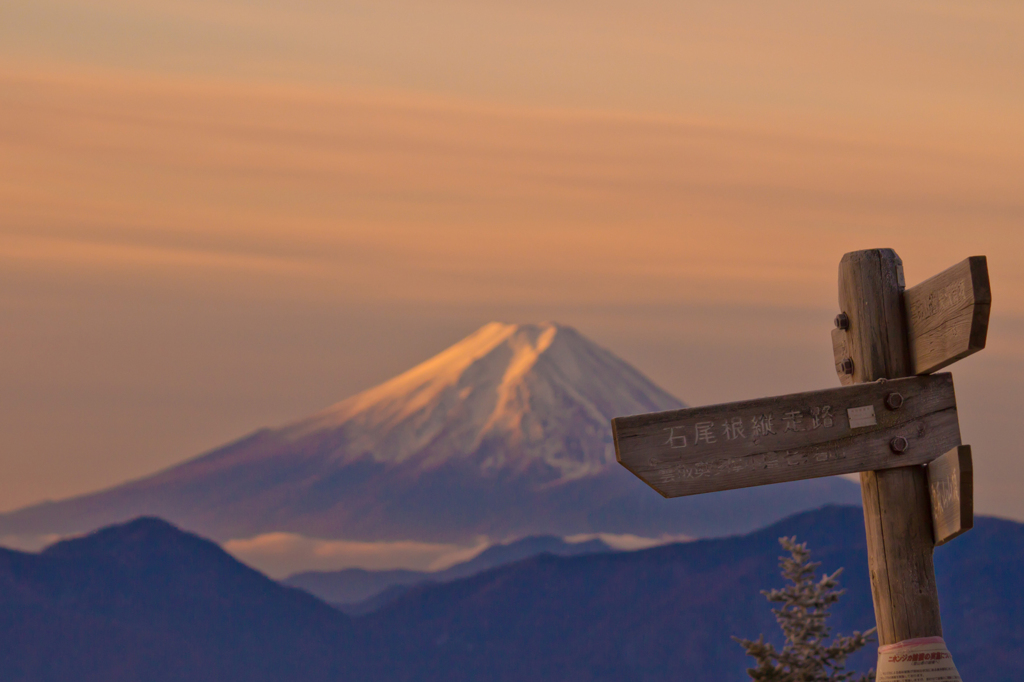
{"x":704,"y":432}
{"x":733,"y":428}
{"x":761,"y":425}
{"x":822,"y":417}
{"x":676,"y":439}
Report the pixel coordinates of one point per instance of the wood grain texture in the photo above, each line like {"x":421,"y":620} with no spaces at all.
{"x":870,"y":284}
{"x":788,"y":438}
{"x":841,"y":353}
{"x":947,"y":315}
{"x":897,"y":520}
{"x":951,"y":492}
{"x":897,"y":511}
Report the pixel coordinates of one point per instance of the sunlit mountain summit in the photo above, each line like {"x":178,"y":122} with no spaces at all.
{"x":504,"y":434}
{"x":513,"y":401}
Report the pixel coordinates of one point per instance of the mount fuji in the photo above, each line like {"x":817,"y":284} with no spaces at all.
{"x":504,"y":434}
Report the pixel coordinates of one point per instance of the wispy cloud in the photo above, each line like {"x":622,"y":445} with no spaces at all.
{"x":280,"y":554}
{"x":28,"y":543}
{"x":415,"y":198}
{"x":628,"y":543}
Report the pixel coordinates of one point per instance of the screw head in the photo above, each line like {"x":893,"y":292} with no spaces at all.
{"x":842,"y":321}
{"x":847,"y":366}
{"x":894,"y":401}
{"x":899,"y":445}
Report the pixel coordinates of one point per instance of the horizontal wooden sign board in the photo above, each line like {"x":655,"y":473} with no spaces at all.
{"x":947,"y":315}
{"x":951,"y":489}
{"x":790,"y":438}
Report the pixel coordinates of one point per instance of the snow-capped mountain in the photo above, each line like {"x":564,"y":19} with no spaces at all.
{"x":513,"y":400}
{"x":506,"y":433}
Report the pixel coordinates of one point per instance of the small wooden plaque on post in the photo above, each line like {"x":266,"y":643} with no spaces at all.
{"x":951,"y":488}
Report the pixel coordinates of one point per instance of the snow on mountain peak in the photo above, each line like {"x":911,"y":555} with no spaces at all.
{"x":509,"y":397}
{"x":504,"y":434}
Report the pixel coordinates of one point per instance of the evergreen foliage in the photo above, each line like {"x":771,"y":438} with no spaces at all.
{"x":806,"y":657}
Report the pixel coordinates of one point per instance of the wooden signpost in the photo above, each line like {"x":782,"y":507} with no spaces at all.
{"x":946,"y":320}
{"x":894,"y":421}
{"x":793,"y":437}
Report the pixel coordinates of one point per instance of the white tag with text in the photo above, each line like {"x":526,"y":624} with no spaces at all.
{"x":862,"y":416}
{"x":916,"y":660}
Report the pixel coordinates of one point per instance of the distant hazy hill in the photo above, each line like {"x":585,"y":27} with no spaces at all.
{"x":505,"y":434}
{"x":353,"y":585}
{"x":668,"y":613}
{"x":145,"y":601}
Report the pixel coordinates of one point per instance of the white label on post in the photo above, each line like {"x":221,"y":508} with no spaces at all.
{"x":916,"y":660}
{"x":862,"y":416}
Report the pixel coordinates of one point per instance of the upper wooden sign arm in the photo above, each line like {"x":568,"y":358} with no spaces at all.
{"x":947,"y":315}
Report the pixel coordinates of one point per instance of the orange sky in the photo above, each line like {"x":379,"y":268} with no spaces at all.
{"x":216,"y":216}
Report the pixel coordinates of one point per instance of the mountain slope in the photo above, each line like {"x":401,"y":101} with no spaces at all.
{"x":508,"y":398}
{"x":353,"y":585}
{"x":145,"y":601}
{"x":504,"y":434}
{"x":669,"y":613}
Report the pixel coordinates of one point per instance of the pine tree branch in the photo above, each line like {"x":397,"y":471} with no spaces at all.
{"x":807,"y":655}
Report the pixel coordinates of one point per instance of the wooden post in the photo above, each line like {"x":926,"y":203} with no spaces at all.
{"x":897,"y":511}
